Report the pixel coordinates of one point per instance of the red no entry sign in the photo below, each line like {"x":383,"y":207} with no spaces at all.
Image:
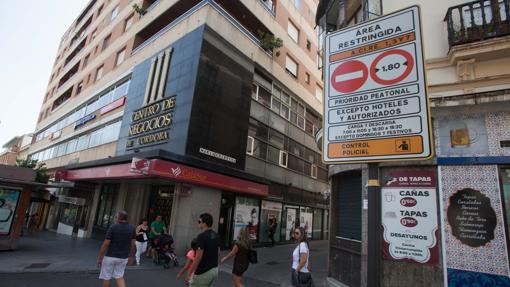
{"x":396,"y":69}
{"x":349,"y":76}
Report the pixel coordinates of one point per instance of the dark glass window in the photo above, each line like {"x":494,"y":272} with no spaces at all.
{"x":322,"y":174}
{"x":296,"y":164}
{"x":106,"y":211}
{"x":277,"y":139}
{"x":296,"y":149}
{"x":259,"y":149}
{"x":273,"y":155}
{"x":265,"y":97}
{"x":257,"y":130}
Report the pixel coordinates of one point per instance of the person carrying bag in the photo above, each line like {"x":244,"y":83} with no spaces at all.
{"x":301,"y":276}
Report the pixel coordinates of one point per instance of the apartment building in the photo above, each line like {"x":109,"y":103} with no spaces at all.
{"x":178,"y":107}
{"x":15,"y":148}
{"x":467,"y":54}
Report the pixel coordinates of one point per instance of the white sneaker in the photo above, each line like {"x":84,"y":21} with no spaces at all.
{"x":137,"y":263}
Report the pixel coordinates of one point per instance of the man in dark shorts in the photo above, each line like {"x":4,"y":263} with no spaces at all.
{"x":205,"y":265}
{"x":119,"y":247}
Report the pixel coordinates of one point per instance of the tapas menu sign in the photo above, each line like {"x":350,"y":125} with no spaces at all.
{"x":409,"y":217}
{"x":471,"y":217}
{"x":376,"y":106}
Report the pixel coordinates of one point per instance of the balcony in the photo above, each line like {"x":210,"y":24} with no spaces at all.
{"x":477,"y":21}
{"x":237,"y":14}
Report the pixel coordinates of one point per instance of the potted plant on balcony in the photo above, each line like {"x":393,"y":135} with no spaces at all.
{"x":270,"y":43}
{"x":140,"y":10}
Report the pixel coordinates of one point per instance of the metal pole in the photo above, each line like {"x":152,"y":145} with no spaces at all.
{"x":374,"y":225}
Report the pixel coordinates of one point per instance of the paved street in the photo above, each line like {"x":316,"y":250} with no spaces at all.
{"x":59,"y":260}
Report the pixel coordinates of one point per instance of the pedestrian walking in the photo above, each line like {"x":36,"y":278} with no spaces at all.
{"x":33,"y":222}
{"x":272,"y":229}
{"x":301,"y":276}
{"x":142,"y":236}
{"x":190,"y":257}
{"x":240,"y":252}
{"x":116,"y":251}
{"x":205,"y":266}
{"x":157,"y":228}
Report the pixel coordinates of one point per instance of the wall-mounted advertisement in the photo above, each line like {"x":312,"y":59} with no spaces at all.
{"x":409,"y":217}
{"x":247,"y":215}
{"x":306,"y":220}
{"x":9,"y":199}
{"x":290,"y":221}
{"x":270,"y":212}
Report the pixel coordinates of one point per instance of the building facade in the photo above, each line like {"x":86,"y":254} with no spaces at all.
{"x":466,"y":47}
{"x":16,"y":148}
{"x":183,"y":107}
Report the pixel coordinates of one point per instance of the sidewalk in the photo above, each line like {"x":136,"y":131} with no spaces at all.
{"x":47,"y":252}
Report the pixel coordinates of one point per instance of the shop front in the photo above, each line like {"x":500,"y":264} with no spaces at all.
{"x":178,"y":192}
{"x":16,"y":187}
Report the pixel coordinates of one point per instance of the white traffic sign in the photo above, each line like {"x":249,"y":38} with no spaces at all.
{"x":376,"y":106}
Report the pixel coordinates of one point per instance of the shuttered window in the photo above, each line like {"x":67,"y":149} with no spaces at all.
{"x":348,"y":217}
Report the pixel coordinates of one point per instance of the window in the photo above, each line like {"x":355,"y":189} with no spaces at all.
{"x":277,"y":139}
{"x":99,"y":73}
{"x":308,"y":45}
{"x":115,"y":12}
{"x":128,"y":23}
{"x":254,"y":92}
{"x":83,"y":142}
{"x":318,"y":93}
{"x":313,"y":172}
{"x":249,"y":145}
{"x":94,"y":34}
{"x":291,"y":66}
{"x":285,"y":110}
{"x":120,"y":56}
{"x":86,"y":61}
{"x":264,"y":97}
{"x":259,"y":149}
{"x":79,"y":88}
{"x":71,"y":146}
{"x":273,"y":155}
{"x":307,"y":78}
{"x":284,"y":156}
{"x":293,"y":32}
{"x":106,"y":42}
{"x":297,"y":4}
{"x":100,"y":10}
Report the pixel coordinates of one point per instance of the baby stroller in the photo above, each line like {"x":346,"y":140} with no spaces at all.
{"x":164,"y":251}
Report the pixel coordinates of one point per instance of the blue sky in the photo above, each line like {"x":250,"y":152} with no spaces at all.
{"x":30,"y":33}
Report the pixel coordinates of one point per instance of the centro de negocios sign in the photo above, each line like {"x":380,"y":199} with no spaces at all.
{"x":151,"y":124}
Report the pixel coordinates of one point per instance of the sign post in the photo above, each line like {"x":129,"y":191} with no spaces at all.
{"x":376,"y":107}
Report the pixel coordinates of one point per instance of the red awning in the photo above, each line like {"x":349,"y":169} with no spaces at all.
{"x":159,"y":168}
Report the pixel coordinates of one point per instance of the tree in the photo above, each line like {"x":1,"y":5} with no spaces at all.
{"x":41,"y":171}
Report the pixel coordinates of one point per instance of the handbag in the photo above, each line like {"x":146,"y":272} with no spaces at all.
{"x":252,"y":256}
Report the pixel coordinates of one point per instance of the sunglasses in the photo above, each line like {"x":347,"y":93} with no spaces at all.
{"x":199,"y":221}
{"x":297,"y":233}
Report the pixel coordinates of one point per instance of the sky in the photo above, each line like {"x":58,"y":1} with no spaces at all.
{"x":30,"y":32}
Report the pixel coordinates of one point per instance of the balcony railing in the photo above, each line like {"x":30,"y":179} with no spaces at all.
{"x":477,"y":21}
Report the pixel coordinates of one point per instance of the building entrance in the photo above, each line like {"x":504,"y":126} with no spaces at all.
{"x":162,"y":197}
